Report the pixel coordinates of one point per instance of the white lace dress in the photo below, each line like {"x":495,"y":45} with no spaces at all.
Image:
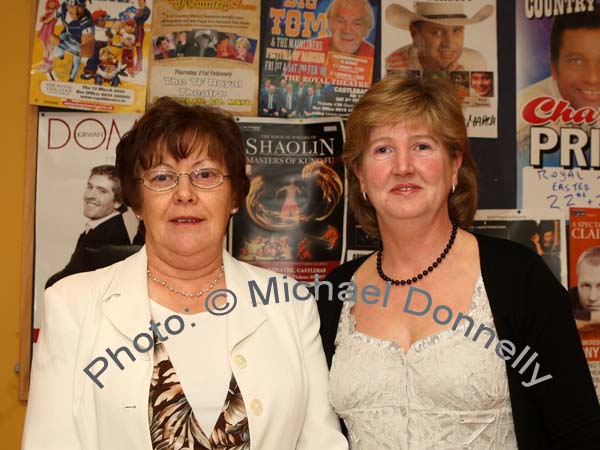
{"x":446,"y":393}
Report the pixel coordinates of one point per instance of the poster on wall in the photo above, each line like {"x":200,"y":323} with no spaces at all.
{"x":543,"y":231}
{"x":293,"y":218}
{"x":558,"y":104}
{"x":317,"y":57}
{"x":358,"y":242}
{"x":207,"y":53}
{"x":584,"y":282}
{"x":81,"y":223}
{"x":454,"y":40}
{"x":91,"y":55}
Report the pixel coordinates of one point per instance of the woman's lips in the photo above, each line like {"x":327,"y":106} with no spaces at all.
{"x":405,"y":188}
{"x":186,"y":220}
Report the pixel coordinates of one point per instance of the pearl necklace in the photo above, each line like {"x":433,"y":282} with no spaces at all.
{"x":425,"y":272}
{"x":185,"y":293}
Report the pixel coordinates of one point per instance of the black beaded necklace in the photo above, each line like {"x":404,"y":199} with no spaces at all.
{"x":426,"y":272}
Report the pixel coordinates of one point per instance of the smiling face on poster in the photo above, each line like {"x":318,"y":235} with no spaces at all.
{"x":440,"y":39}
{"x":81,"y":221}
{"x":328,"y":45}
{"x":558,"y":105}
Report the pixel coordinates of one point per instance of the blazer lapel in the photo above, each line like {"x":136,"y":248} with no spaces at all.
{"x":126,"y":302}
{"x":244,"y":319}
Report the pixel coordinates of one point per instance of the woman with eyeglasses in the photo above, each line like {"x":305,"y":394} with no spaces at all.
{"x":166,"y":350}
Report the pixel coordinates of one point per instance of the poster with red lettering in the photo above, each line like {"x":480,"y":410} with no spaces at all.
{"x":81,"y":223}
{"x":317,"y":58}
{"x":558,"y":104}
{"x":584,"y":282}
{"x":455,"y":40}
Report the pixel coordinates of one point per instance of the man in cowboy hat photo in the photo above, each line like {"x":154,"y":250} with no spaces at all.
{"x":437,"y":30}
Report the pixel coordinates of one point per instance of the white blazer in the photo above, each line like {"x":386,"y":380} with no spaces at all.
{"x":275,"y":353}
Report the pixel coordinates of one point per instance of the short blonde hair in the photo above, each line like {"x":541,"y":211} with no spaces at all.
{"x":242,"y":42}
{"x":402,"y":98}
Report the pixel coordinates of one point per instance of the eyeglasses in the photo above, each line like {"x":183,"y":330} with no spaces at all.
{"x":164,"y":180}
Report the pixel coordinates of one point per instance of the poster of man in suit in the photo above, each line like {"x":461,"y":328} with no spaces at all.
{"x":104,"y":235}
{"x":81,"y":222}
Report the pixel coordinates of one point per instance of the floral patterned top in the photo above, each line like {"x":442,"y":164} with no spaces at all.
{"x":173,"y":425}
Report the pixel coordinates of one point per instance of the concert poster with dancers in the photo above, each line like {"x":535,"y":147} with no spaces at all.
{"x":293,"y":218}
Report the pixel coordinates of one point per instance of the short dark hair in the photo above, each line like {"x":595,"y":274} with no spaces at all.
{"x":564,"y":22}
{"x":110,"y":171}
{"x":159,"y":40}
{"x":169,"y":127}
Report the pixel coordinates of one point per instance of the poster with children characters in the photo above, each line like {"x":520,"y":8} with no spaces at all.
{"x":91,"y":55}
{"x":455,"y":40}
{"x":558,"y":105}
{"x":317,"y":58}
{"x":293,"y":218}
{"x":206,"y":53}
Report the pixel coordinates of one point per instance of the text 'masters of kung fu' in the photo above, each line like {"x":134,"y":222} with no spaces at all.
{"x":293,"y":218}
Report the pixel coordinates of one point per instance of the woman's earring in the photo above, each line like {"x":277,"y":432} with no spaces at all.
{"x":364,"y":194}
{"x":453,"y":189}
{"x":234,"y":210}
{"x":138,"y":217}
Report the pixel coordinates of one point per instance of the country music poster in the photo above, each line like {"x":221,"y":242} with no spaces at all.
{"x":207,"y":52}
{"x":543,"y":231}
{"x":454,"y":40}
{"x":317,"y":57}
{"x":584,"y":282}
{"x":81,"y":223}
{"x":91,"y":55}
{"x":558,"y":104}
{"x":293,"y":218}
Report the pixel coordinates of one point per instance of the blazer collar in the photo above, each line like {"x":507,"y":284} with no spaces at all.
{"x":127,"y":307}
{"x":126,"y":302}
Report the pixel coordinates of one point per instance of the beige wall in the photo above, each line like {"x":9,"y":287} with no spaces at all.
{"x":14,"y":78}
